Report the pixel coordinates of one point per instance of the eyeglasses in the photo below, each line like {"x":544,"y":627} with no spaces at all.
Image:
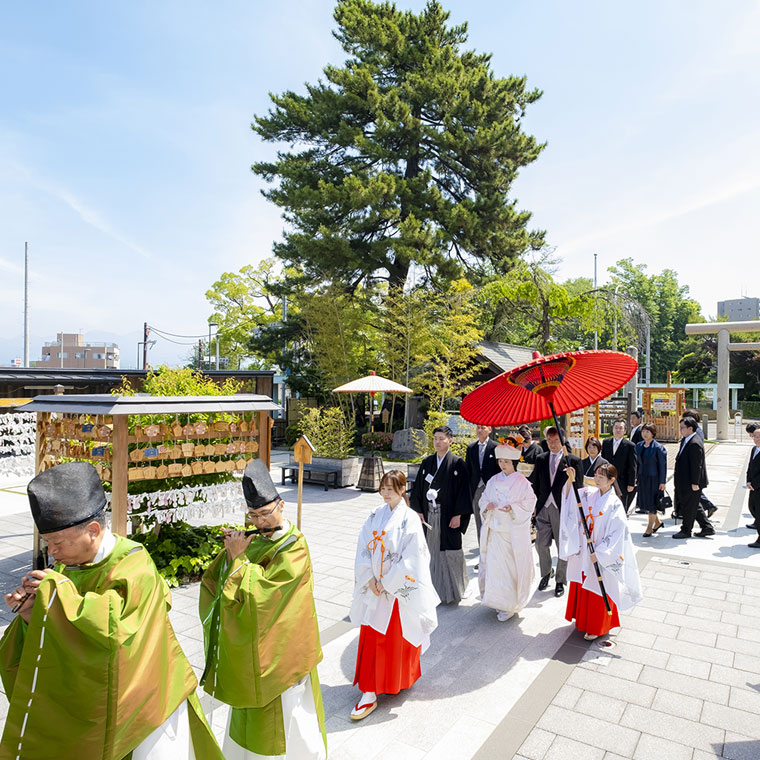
{"x":256,"y":515}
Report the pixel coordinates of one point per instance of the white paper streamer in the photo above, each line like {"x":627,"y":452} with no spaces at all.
{"x":182,"y":504}
{"x":18,"y":432}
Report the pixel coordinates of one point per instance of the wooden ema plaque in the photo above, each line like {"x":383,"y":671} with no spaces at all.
{"x":162,"y":450}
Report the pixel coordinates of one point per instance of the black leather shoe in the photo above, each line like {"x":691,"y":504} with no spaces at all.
{"x":542,"y":586}
{"x":754,"y":544}
{"x":681,"y":534}
{"x":711,"y":511}
{"x":559,"y":589}
{"x":705,"y":532}
{"x":752,"y":526}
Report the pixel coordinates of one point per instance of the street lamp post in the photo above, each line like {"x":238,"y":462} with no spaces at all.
{"x":216,"y":342}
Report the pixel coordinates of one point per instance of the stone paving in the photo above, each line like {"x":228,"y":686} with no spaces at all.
{"x":681,"y":679}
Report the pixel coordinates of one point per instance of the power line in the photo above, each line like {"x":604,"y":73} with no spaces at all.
{"x":174,"y":335}
{"x":179,"y":343}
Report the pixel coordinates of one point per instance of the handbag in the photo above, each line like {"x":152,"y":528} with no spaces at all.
{"x":664,"y":501}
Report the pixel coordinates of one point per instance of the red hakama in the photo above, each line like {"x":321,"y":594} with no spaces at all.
{"x":386,"y":663}
{"x":589,"y":611}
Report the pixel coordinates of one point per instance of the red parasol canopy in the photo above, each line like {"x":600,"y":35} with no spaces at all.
{"x":548,"y":385}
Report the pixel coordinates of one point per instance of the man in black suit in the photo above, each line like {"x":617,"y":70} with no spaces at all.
{"x":441,"y":496}
{"x":709,"y":508}
{"x":619,"y":451}
{"x":548,"y":479}
{"x":635,"y":427}
{"x":753,"y":484}
{"x":481,"y":467}
{"x":689,"y":478}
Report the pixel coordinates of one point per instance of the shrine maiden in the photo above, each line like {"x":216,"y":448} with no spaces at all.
{"x":614,"y":552}
{"x":506,"y":559}
{"x":394,"y":599}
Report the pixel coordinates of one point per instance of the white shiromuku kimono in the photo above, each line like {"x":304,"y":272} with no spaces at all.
{"x":506,"y":559}
{"x":615,"y":553}
{"x":392,"y":548}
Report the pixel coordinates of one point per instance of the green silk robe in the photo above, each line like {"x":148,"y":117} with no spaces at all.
{"x":98,"y":668}
{"x":261,"y":636}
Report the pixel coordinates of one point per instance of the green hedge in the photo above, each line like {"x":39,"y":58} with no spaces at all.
{"x":751,"y":409}
{"x":182,"y":551}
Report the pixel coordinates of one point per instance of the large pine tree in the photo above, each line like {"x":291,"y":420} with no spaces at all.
{"x":405,"y":154}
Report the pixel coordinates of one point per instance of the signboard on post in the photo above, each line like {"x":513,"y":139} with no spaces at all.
{"x":303,"y":450}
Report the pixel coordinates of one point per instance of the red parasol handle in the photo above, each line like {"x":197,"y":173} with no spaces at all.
{"x":589,"y":540}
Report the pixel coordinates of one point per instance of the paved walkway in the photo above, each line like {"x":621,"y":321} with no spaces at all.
{"x":681,"y":679}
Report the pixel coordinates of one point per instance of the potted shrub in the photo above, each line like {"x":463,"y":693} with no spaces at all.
{"x":333,"y":437}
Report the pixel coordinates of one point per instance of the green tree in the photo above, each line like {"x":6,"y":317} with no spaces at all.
{"x":453,"y":361}
{"x":528,"y":307}
{"x":243,"y":303}
{"x":405,"y":337}
{"x":404,"y":154}
{"x":340,"y":336}
{"x":669,"y":308}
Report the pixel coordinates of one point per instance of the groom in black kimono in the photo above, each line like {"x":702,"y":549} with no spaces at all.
{"x":441,"y":496}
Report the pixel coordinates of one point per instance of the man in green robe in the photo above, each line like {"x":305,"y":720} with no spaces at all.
{"x":261,"y":634}
{"x":91,"y":665}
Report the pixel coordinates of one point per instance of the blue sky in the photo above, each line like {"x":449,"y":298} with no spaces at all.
{"x":125,"y":146}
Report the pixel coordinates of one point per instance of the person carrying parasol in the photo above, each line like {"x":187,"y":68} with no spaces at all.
{"x":261,"y":634}
{"x":91,"y":665}
{"x":613,"y":552}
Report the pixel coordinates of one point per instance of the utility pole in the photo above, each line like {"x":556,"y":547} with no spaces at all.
{"x":200,"y":354}
{"x":596,"y":332}
{"x":26,"y":304}
{"x":146,"y":333}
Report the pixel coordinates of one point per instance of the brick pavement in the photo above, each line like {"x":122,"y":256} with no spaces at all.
{"x":681,"y":681}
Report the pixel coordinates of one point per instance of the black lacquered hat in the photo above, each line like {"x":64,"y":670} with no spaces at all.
{"x":65,"y":495}
{"x":258,"y":487}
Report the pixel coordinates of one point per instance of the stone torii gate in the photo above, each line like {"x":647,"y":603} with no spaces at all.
{"x":723,"y":330}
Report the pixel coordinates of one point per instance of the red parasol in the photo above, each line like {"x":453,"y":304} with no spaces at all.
{"x":547,"y":386}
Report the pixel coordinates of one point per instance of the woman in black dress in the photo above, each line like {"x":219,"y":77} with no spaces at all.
{"x":593,"y":459}
{"x":652,"y":473}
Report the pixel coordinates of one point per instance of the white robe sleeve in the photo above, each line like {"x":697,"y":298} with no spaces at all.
{"x":570,"y":538}
{"x":522,"y":499}
{"x":363,"y":572}
{"x":617,"y":556}
{"x":488,"y":495}
{"x":405,"y":571}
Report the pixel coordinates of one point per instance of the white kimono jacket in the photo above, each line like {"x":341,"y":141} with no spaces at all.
{"x":506,"y":558}
{"x":392,"y":548}
{"x":613,"y":545}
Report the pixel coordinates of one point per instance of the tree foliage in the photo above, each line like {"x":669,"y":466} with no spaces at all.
{"x":243,"y":302}
{"x":452,"y":364}
{"x":404,"y":154}
{"x":528,"y":307}
{"x":668,"y":307}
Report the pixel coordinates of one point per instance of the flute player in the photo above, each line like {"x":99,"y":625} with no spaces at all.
{"x":261,"y":633}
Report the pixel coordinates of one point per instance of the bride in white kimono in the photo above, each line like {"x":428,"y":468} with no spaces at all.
{"x":394,"y":598}
{"x":506,"y":559}
{"x":614,"y":552}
